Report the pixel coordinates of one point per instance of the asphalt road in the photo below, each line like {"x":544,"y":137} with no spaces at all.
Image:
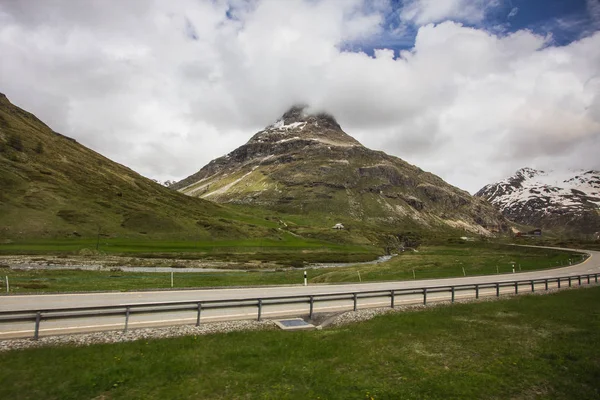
{"x":32,"y":302}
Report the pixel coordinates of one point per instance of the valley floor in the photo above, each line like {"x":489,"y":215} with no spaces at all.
{"x":108,"y":273}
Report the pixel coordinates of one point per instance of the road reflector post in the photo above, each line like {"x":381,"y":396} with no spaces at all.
{"x":38,"y":319}
{"x":259,"y":308}
{"x":355,"y":301}
{"x":171,"y":278}
{"x":425,"y":296}
{"x":126,"y":319}
{"x":305,"y":281}
{"x":393,"y":295}
{"x":199,"y":312}
{"x":464,"y":273}
{"x":7,"y":287}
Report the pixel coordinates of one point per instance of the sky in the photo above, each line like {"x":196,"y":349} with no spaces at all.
{"x":470,"y":90}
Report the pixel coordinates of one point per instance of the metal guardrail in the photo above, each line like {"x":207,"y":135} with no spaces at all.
{"x":39,"y":315}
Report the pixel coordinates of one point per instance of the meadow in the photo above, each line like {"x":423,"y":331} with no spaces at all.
{"x":274,"y":269}
{"x":532,"y":346}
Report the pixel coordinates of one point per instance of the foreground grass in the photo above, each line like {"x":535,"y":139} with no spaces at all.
{"x":525,"y":347}
{"x":429,"y":262}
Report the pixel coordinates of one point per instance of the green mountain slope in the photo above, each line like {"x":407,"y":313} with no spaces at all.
{"x":307,"y":165}
{"x":52,"y":186}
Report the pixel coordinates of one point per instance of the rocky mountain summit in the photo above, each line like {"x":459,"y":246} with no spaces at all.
{"x":563,"y":200}
{"x":306,"y":164}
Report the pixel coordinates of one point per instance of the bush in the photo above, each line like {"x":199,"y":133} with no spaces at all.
{"x":15,"y":142}
{"x":39,"y":147}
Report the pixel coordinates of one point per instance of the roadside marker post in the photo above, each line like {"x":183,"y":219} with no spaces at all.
{"x":7,"y":287}
{"x":305,"y":281}
{"x":359,"y":278}
{"x":464,"y":273}
{"x":171,"y":278}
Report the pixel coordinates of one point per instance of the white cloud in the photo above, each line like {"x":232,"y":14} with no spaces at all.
{"x":133,"y":84}
{"x":424,"y":12}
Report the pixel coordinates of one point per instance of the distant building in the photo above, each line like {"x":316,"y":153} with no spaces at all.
{"x":535,"y":232}
{"x":338,"y":226}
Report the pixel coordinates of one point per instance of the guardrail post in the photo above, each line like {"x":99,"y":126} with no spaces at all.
{"x":312,"y":303}
{"x":355,"y":301}
{"x":516,"y":287}
{"x":532,"y":286}
{"x":38,"y":319}
{"x":425,"y":296}
{"x":452,"y":294}
{"x":579,"y":280}
{"x":126,"y":319}
{"x":476,"y":291}
{"x":596,"y":277}
{"x":558,"y":283}
{"x":259,"y":308}
{"x":497,"y":290}
{"x":199,"y":312}
{"x":546,"y":283}
{"x":393,"y":294}
{"x":588,"y":279}
{"x":569,"y":281}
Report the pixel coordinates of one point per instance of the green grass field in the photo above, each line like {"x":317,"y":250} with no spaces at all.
{"x":429,"y":262}
{"x":521,"y":348}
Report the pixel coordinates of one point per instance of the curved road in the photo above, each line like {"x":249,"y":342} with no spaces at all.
{"x":32,"y":302}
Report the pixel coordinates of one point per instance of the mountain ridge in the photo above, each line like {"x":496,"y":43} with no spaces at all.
{"x":52,"y":186}
{"x":551,"y":199}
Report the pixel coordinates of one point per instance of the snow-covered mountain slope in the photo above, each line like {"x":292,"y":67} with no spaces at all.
{"x":553,"y":199}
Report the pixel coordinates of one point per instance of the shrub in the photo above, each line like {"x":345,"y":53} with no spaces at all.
{"x":15,"y":142}
{"x":39,"y":147}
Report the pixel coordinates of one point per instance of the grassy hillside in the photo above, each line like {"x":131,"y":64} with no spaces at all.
{"x":54,"y":187}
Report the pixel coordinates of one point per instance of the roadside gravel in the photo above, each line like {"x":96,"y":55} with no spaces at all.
{"x":136,"y":334}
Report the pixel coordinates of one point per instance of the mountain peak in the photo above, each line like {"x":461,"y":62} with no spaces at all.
{"x":528,"y":172}
{"x":301,"y":114}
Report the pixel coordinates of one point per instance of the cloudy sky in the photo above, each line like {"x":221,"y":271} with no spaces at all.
{"x":470,"y":90}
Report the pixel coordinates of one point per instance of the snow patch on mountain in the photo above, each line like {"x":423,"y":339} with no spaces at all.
{"x":548,"y":198}
{"x":555,"y":189}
